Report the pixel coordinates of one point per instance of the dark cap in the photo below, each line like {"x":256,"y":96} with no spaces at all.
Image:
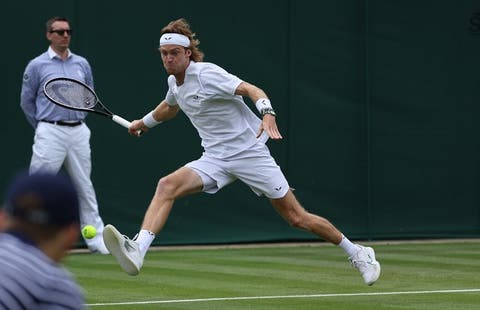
{"x":43,"y":198}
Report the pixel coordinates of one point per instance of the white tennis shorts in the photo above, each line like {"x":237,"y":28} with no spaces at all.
{"x":255,"y":167}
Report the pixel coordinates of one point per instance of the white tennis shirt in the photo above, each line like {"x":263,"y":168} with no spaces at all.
{"x":226,"y":125}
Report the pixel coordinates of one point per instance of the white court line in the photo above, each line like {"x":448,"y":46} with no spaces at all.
{"x":472,"y":290}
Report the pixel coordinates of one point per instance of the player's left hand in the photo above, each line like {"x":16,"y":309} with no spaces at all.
{"x":270,"y":126}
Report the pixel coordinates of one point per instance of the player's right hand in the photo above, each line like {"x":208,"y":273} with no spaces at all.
{"x":137,"y":128}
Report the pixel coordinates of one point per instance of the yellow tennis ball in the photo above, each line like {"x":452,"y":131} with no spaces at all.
{"x":89,"y":231}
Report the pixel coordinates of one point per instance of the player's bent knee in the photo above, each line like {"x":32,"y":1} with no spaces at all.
{"x":165,"y":187}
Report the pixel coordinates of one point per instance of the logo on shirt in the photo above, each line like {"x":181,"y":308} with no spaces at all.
{"x":25,"y":77}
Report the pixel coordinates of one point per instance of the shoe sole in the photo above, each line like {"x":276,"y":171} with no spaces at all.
{"x":113,"y":241}
{"x":377,"y":274}
{"x":377,"y":269}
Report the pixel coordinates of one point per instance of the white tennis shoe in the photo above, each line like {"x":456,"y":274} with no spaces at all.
{"x":364,"y":260}
{"x":99,"y":249}
{"x":126,"y":251}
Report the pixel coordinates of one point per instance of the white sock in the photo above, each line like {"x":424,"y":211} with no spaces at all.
{"x":349,"y":247}
{"x":144,"y":240}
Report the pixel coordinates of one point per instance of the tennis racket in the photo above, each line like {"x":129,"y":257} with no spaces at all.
{"x":75,"y":95}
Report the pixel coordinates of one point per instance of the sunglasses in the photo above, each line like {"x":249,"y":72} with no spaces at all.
{"x":61,"y":32}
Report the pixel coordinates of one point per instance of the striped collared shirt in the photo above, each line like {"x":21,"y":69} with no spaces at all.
{"x":31,"y":280}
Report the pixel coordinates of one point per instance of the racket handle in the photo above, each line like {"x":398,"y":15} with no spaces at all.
{"x":120,"y":120}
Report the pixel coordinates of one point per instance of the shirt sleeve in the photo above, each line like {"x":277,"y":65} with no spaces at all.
{"x":170,"y":97}
{"x":28,"y":94}
{"x":218,"y":82}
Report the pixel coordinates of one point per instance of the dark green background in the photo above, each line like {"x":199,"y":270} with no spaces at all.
{"x":378,"y":104}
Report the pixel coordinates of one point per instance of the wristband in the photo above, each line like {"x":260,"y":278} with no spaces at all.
{"x":149,"y":121}
{"x":262,"y":104}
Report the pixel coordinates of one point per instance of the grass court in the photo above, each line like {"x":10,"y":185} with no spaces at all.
{"x":415,"y":275}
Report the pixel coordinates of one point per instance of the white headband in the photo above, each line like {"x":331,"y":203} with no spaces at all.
{"x":174,"y":38}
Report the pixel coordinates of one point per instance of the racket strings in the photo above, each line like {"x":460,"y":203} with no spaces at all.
{"x":71,"y":94}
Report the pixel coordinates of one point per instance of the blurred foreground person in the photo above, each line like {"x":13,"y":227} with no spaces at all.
{"x":39,"y":223}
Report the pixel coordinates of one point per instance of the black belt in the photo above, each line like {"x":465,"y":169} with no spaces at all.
{"x":63,"y":123}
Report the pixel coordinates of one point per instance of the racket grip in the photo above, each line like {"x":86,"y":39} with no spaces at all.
{"x":120,"y":120}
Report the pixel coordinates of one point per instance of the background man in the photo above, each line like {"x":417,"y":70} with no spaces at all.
{"x":61,"y":135}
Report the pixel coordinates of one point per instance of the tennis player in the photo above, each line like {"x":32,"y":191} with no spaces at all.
{"x":233,"y":138}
